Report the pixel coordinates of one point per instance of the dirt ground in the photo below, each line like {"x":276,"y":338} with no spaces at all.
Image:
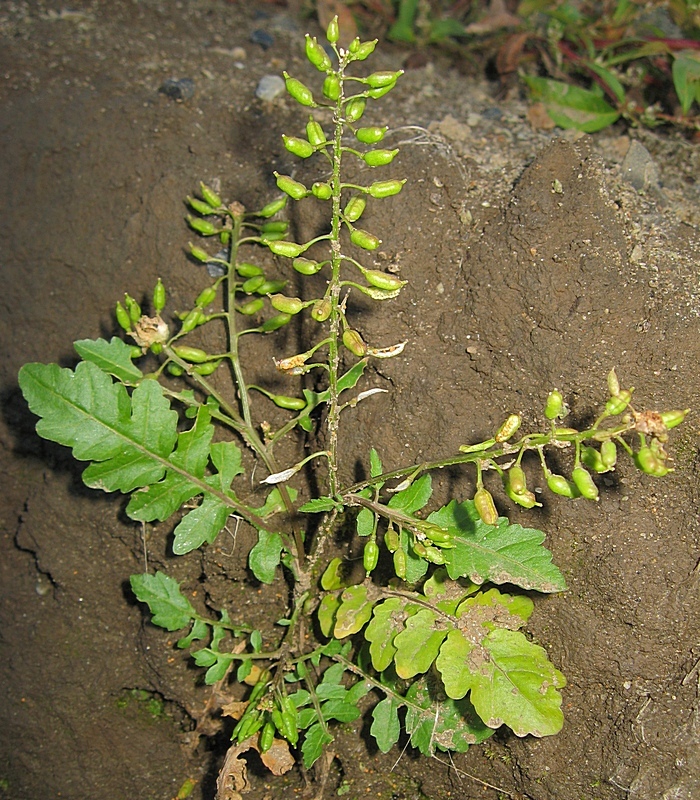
{"x":534,"y":258}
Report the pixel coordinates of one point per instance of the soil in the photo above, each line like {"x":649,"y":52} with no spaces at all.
{"x":535,"y":258}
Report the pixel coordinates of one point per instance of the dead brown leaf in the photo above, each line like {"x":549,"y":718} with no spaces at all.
{"x":508,"y":56}
{"x":497,"y":16}
{"x":278,"y":759}
{"x":233,"y":778}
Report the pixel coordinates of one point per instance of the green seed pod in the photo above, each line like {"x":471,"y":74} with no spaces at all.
{"x":608,"y":453}
{"x":365,"y":240}
{"x":272,"y":208}
{"x":289,"y":403}
{"x":672,"y":419}
{"x":175,"y":369}
{"x":378,"y":80}
{"x":355,"y":108}
{"x":419,"y":549}
{"x":593,"y":459}
{"x":354,"y":208}
{"x":354,"y":342}
{"x":198,"y":253}
{"x":508,"y":429}
{"x":584,"y":483}
{"x":554,"y":406}
{"x":298,"y":147}
{"x":381,"y":189}
{"x":274,"y":323}
{"x":331,"y":87}
{"x":613,"y":383}
{"x":437,"y":535}
{"x":123,"y":317}
{"x":378,"y":158}
{"x":363,"y":50}
{"x":375,"y":94}
{"x":225,"y":237}
{"x":485,"y":507}
{"x":270,"y":287}
{"x":210,"y":196}
{"x":317,"y":55}
{"x":400,"y":563}
{"x":267,"y":735}
{"x":135,"y":352}
{"x":305,"y":266}
{"x":156,"y":347}
{"x":159,"y":296}
{"x":203,"y":226}
{"x":322,"y":190}
{"x":650,"y":462}
{"x":274,"y":226}
{"x":370,"y":135}
{"x":193,"y":318}
{"x":252,"y":284}
{"x":289,"y":186}
{"x":617,"y":404}
{"x":205,"y":297}
{"x":206,"y":369}
{"x":271,"y":236}
{"x":286,"y":249}
{"x":247,"y":270}
{"x":561,"y":486}
{"x":370,"y":556}
{"x":383,"y":280}
{"x":516,"y":480}
{"x":191,"y":354}
{"x":391,"y":540}
{"x":199,"y":206}
{"x":314,"y":133}
{"x":525,"y":499}
{"x":276,"y":717}
{"x":301,"y":93}
{"x":133,"y":308}
{"x":333,"y":31}
{"x":290,"y":729}
{"x":434,"y":556}
{"x":251,"y":307}
{"x":288,"y":305}
{"x":321,"y":309}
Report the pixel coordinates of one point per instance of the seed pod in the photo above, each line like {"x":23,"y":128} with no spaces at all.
{"x":400,"y":563}
{"x":331,"y":87}
{"x":270,"y":287}
{"x":378,"y":158}
{"x":251,"y":307}
{"x":584,"y":483}
{"x":608,"y":453}
{"x":274,"y":226}
{"x":378,"y":80}
{"x":419,"y":548}
{"x":314,"y":133}
{"x":322,"y":190}
{"x":434,"y":556}
{"x":370,"y":135}
{"x":289,"y":403}
{"x":333,"y":31}
{"x":363,"y":50}
{"x":365,"y":240}
{"x":437,"y":535}
{"x":286,"y":249}
{"x":202,"y":226}
{"x":135,"y":352}
{"x":206,"y":369}
{"x":210,"y":196}
{"x":123,"y":317}
{"x":617,"y":404}
{"x":274,"y":323}
{"x":175,"y":369}
{"x":593,"y":460}
{"x":554,"y":406}
{"x":354,"y":208}
{"x":321,"y":309}
{"x":355,"y":108}
{"x":317,"y":55}
{"x":650,"y":462}
{"x":298,"y":147}
{"x":381,"y":189}
{"x":247,"y":270}
{"x":193,"y":318}
{"x":272,"y":208}
{"x":673,"y":418}
{"x":485,"y":507}
{"x":132,"y":307}
{"x":294,"y":189}
{"x":370,"y":556}
{"x":391,"y":540}
{"x":301,"y":93}
{"x":205,"y":297}
{"x":191,"y":354}
{"x":561,"y":486}
{"x":525,"y":499}
{"x":225,"y":237}
{"x":198,"y":253}
{"x":375,"y":94}
{"x":509,"y":427}
{"x":354,"y":342}
{"x":159,"y":296}
{"x":305,"y":266}
{"x":199,"y":206}
{"x":383,"y":280}
{"x":516,"y":480}
{"x":252,"y":284}
{"x":289,"y":305}
{"x":613,"y":383}
{"x":267,"y":735}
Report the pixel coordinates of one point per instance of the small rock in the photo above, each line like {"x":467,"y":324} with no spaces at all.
{"x":178,"y":88}
{"x":269,"y":87}
{"x":263,"y":38}
{"x":639,"y":168}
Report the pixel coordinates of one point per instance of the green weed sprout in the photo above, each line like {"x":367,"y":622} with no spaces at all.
{"x":424,"y":627}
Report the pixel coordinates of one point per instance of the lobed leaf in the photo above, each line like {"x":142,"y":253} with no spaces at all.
{"x":169,"y":608}
{"x":264,"y":558}
{"x":354,"y":611}
{"x":386,"y":726}
{"x":571,"y":106}
{"x":418,"y":644}
{"x":113,"y":357}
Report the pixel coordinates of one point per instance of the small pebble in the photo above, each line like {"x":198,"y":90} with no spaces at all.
{"x":178,"y":88}
{"x":269,"y":87}
{"x":639,"y":167}
{"x":263,"y":38}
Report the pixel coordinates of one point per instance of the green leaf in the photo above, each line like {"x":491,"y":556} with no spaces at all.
{"x":418,"y":644}
{"x":199,"y":630}
{"x":686,"y":78}
{"x":273,"y":503}
{"x":375,"y":464}
{"x":218,"y":670}
{"x":416,"y":567}
{"x":113,"y":357}
{"x":315,"y":740}
{"x":319,"y":505}
{"x":402,"y":29}
{"x":386,"y":727}
{"x":571,"y":106}
{"x":200,"y":525}
{"x":226,"y":457}
{"x":387,"y":620}
{"x":161,"y":593}
{"x":326,"y":613}
{"x":611,"y":80}
{"x":354,"y":611}
{"x":501,"y":553}
{"x":264,"y":558}
{"x":365,"y":522}
{"x":340,"y":710}
{"x":414,"y":497}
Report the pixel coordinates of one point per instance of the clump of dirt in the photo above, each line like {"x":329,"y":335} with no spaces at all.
{"x":532,"y":262}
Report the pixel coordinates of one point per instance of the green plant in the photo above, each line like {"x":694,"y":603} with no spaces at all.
{"x":425,"y":625}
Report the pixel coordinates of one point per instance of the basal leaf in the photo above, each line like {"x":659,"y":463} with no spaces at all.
{"x":200,"y":525}
{"x":418,"y":644}
{"x":169,"y":608}
{"x":354,"y":611}
{"x":387,"y":621}
{"x":454,"y":666}
{"x":161,"y":500}
{"x":503,"y":553}
{"x":314,"y":743}
{"x":414,"y":497}
{"x":113,"y":357}
{"x":264,"y":558}
{"x":386,"y":727}
{"x":571,"y":106}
